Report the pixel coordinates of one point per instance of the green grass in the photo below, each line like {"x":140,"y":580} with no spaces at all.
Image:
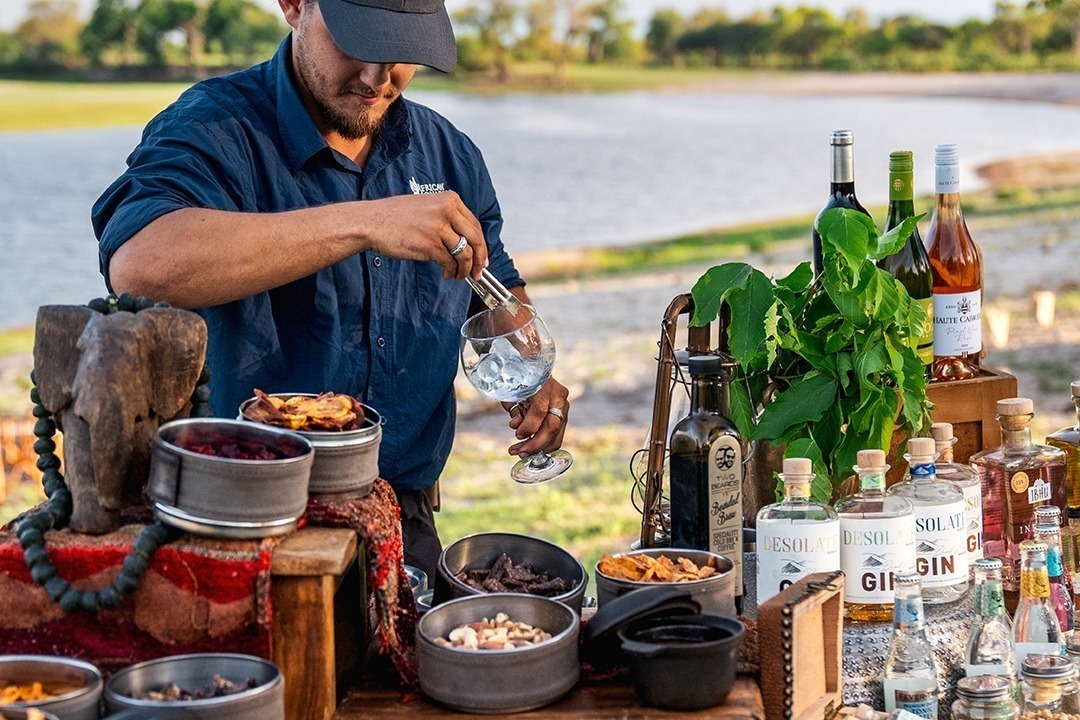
{"x":55,"y":105}
{"x":17,"y":340}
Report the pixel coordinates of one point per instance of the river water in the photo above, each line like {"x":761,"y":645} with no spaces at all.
{"x":571,"y":171}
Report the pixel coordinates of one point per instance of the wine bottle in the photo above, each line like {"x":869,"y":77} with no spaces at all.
{"x":956,"y":265}
{"x":707,"y":469}
{"x":841,"y":188}
{"x":910,"y":264}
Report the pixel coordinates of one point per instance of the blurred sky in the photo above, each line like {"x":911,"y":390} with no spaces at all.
{"x":12,"y":11}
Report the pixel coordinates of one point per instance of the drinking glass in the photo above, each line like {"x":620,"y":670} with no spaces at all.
{"x":508,"y":357}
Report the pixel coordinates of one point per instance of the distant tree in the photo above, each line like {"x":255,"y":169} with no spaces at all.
{"x":493,"y":25}
{"x":49,"y":36}
{"x":111,"y":28}
{"x":10,"y":48}
{"x":572,"y":17}
{"x":242,"y":30}
{"x":662,"y":37}
{"x":610,"y":34}
{"x":538,"y":42}
{"x":918,"y":34}
{"x":804,"y":32}
{"x":1068,"y":13}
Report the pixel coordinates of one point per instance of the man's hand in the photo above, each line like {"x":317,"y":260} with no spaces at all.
{"x":429,"y":226}
{"x":540,"y":421}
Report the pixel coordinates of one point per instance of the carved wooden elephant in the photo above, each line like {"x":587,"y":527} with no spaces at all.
{"x":110,"y":381}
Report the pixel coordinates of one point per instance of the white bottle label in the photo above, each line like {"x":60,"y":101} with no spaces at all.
{"x":976,"y":670}
{"x":919,"y":696}
{"x":973,"y":518}
{"x":872,"y":550}
{"x":725,"y":503}
{"x":1025,"y":649}
{"x":957,"y":323}
{"x":941,"y":544}
{"x":788,"y":552}
{"x":947,"y":179}
{"x":1039,"y":491}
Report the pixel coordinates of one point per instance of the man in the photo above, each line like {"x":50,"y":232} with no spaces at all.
{"x":323,"y":227}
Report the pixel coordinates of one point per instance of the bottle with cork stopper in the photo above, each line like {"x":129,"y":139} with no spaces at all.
{"x":967,"y":479}
{"x":1027,"y":475}
{"x":877,"y":541}
{"x":797,"y":536}
{"x":1068,"y":441}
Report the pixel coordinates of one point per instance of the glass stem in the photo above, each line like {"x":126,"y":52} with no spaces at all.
{"x":540,"y":460}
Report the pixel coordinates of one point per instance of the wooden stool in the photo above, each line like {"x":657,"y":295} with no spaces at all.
{"x":320,"y":632}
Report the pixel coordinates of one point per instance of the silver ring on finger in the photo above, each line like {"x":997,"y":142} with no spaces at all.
{"x":518,"y":406}
{"x":460,"y":247}
{"x":557,"y":413}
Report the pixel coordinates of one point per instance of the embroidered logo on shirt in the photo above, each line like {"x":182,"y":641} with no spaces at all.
{"x":425,"y":188}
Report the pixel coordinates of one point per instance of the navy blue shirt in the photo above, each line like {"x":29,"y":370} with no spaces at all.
{"x":383,"y":330}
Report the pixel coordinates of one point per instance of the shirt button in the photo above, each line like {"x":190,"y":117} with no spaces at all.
{"x":381,"y":342}
{"x":377,"y":262}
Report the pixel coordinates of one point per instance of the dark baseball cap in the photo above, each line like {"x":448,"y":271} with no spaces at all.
{"x":417,"y":32}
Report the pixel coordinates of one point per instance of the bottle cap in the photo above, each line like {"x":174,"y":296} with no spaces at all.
{"x":842,"y":137}
{"x":1048,"y":515}
{"x":1047,"y":666}
{"x":871,"y":458}
{"x":1032,"y":546}
{"x":1076,"y":388}
{"x":798,"y":466}
{"x":946,"y":155}
{"x":1010,"y":407}
{"x":984,"y":687}
{"x":901,"y":161}
{"x":988,"y":564}
{"x":908,"y":579}
{"x":1072,"y":643}
{"x":921,"y":447}
{"x":941,"y":432}
{"x":709,"y":365}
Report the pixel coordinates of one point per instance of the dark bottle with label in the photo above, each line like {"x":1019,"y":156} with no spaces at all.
{"x":841,"y":187}
{"x":707,"y":468}
{"x":910,"y":264}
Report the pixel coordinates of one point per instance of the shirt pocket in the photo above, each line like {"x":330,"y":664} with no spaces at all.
{"x":443,"y":299}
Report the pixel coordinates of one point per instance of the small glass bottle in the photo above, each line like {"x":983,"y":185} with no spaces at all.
{"x":967,"y":479}
{"x":1048,"y":686}
{"x":797,"y":536}
{"x":940,"y":525}
{"x":706,"y":464}
{"x":1048,"y":530}
{"x":910,"y":678}
{"x":989,"y":649}
{"x":1068,"y":441}
{"x":1035,"y":629}
{"x":986,"y":697}
{"x":877,"y":540}
{"x":1026,"y":475}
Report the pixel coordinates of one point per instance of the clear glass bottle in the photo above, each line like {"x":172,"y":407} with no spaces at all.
{"x":706,"y":464}
{"x":796,"y":536}
{"x":956,"y":266}
{"x":940,"y":525}
{"x":841,"y":186}
{"x":910,"y":678}
{"x":1048,"y":530}
{"x":1026,"y":475}
{"x":1035,"y":628}
{"x":1068,"y":441}
{"x":1048,"y":686}
{"x":989,"y":649}
{"x":986,"y":697}
{"x":967,"y":479}
{"x":877,"y":540}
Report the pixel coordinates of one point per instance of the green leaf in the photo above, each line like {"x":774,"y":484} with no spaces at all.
{"x":847,"y":233}
{"x":798,"y":279}
{"x":712,"y":289}
{"x":820,"y":487}
{"x":742,"y":408}
{"x":749,"y":307}
{"x":805,"y":400}
{"x":870,"y":359}
{"x":844,"y":369}
{"x":894,"y":239}
{"x":772,"y":329}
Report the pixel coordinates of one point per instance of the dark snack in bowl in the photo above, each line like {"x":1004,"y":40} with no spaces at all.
{"x":219,"y":687}
{"x":505,"y":576}
{"x":502,"y":633}
{"x":224,"y":446}
{"x":327,"y":412}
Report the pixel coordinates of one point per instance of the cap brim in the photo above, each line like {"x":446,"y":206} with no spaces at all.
{"x":375,"y":35}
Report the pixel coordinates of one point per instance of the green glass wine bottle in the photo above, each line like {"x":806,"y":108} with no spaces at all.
{"x":910,"y":264}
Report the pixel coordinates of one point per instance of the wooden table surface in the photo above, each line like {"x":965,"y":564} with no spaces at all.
{"x":590,"y":700}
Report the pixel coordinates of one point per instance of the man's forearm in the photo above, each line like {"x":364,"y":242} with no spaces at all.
{"x":197,"y":258}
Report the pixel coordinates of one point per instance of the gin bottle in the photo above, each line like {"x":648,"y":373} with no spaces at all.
{"x":910,"y":679}
{"x":967,"y":479}
{"x":877,"y":540}
{"x":940,"y":525}
{"x":1035,"y":629}
{"x":797,"y":536}
{"x":1068,"y":441}
{"x":989,"y":649}
{"x":1048,"y":530}
{"x":1028,"y":475}
{"x":707,"y":470}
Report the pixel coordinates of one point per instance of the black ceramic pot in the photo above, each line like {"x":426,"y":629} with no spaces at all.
{"x":682,"y":663}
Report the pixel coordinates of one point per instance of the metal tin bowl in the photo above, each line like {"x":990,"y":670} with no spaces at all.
{"x":346,"y":463}
{"x":715,"y":594}
{"x":53,"y":671}
{"x":10,"y":712}
{"x":499,"y":681}
{"x":483,"y":549}
{"x":223,"y":497}
{"x":265,"y":701}
{"x":418,"y":579}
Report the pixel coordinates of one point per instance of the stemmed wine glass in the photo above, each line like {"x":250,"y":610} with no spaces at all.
{"x":509,"y":356}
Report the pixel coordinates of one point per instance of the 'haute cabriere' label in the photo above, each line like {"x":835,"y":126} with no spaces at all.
{"x":957,"y":323}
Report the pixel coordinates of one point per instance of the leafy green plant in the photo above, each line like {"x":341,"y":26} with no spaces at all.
{"x":827,"y":363}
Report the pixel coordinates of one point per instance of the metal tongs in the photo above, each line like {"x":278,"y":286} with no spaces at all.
{"x":493,"y":293}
